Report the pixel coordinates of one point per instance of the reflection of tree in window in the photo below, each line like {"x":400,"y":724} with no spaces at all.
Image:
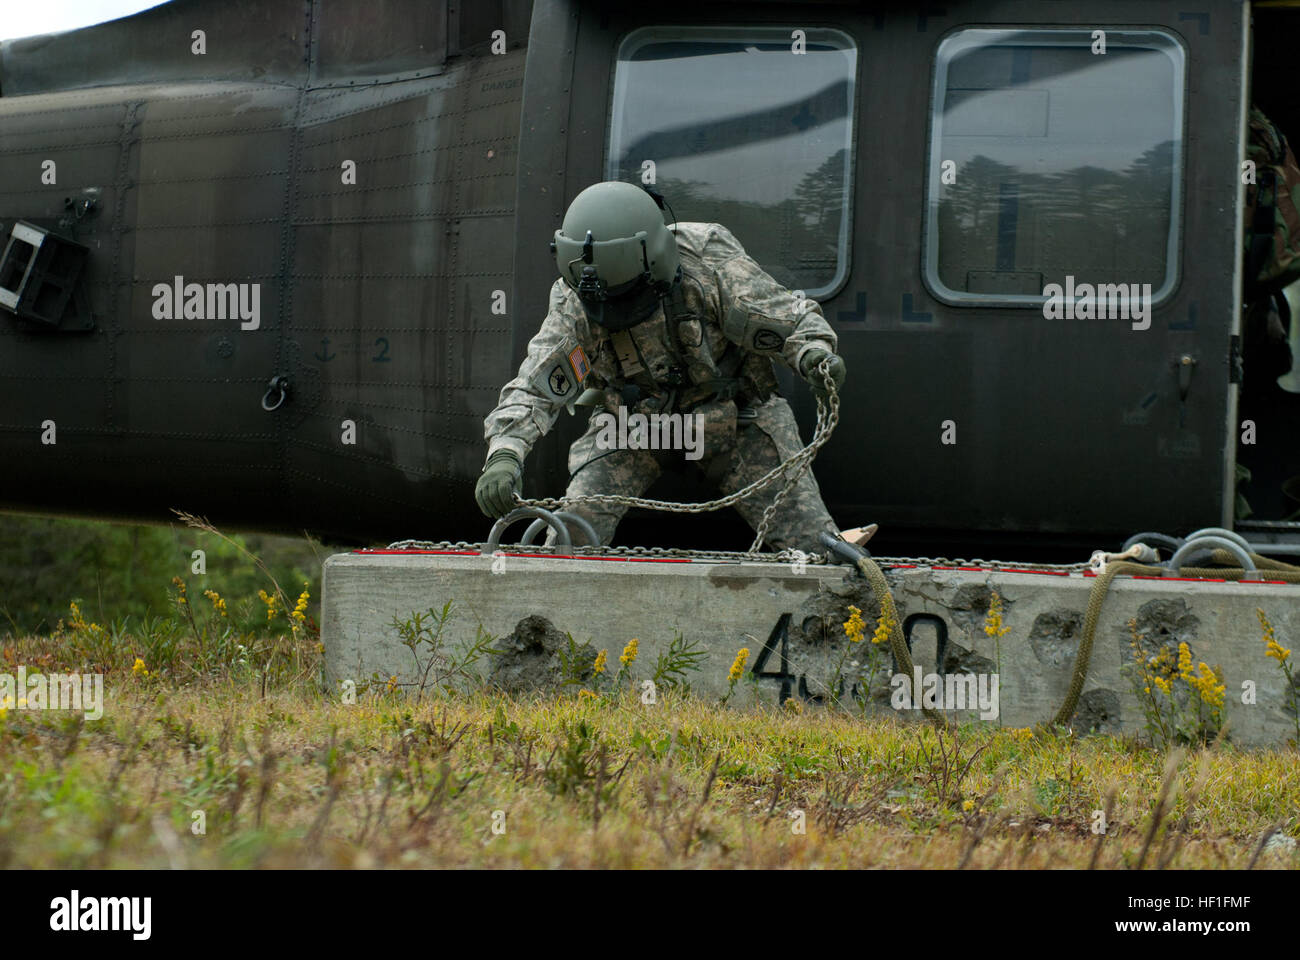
{"x":750,"y":222}
{"x":796,"y":239}
{"x":763,"y":153}
{"x":1094,"y":223}
{"x":820,"y":199}
{"x":1064,"y":160}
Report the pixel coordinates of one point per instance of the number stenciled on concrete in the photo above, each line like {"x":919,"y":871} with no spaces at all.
{"x":781,"y":635}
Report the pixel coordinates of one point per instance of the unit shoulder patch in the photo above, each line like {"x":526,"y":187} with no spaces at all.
{"x":561,"y":372}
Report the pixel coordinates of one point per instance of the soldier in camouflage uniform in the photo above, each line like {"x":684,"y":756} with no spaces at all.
{"x":663,"y":320}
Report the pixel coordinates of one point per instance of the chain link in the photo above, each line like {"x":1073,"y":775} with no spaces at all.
{"x":793,"y":467}
{"x":734,"y":556}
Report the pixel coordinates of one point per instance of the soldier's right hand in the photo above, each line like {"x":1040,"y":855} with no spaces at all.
{"x":496,"y":487}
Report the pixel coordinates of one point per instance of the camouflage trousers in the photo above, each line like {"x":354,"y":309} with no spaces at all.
{"x":759,"y":446}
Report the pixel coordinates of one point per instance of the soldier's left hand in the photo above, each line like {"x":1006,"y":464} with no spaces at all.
{"x":808,"y":370}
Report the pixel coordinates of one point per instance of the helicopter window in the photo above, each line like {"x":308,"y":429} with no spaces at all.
{"x":1054,"y":156}
{"x":739,"y":128}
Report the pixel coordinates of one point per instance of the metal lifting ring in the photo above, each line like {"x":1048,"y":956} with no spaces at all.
{"x":278,"y":383}
{"x":521,"y":513}
{"x":571,"y":520}
{"x":1205,"y":544}
{"x":1236,"y":538}
{"x":579,"y":522}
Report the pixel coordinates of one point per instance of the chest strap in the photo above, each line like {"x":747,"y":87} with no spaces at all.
{"x":724,"y":384}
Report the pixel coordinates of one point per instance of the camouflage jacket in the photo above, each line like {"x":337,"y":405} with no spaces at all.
{"x":736,"y":321}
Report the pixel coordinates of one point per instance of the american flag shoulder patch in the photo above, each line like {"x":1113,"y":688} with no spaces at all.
{"x":578,"y":361}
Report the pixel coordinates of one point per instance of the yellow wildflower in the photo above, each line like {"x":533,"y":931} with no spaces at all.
{"x":793,"y":705}
{"x":738,"y":665}
{"x":1206,"y":685}
{"x":628,"y":656}
{"x":392,"y":684}
{"x":300,"y":608}
{"x":1184,"y":661}
{"x":1272,"y":648}
{"x":968,"y":805}
{"x":585,"y":694}
{"x":883,"y":628}
{"x":270,"y":604}
{"x":139,"y":669}
{"x":993,"y":626}
{"x":599,"y":666}
{"x":218,"y":604}
{"x":78,"y":622}
{"x":854,"y":625}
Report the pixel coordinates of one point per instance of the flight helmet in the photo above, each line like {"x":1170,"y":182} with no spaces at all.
{"x":615,"y":252}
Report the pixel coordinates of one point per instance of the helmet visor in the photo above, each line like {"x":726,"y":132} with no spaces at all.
{"x":619,"y":308}
{"x":623,"y":311}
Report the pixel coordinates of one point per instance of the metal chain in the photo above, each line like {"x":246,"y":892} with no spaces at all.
{"x":828,"y":416}
{"x":735,"y":556}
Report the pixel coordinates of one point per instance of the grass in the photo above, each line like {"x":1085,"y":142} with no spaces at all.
{"x":219,"y":747}
{"x":280,"y":775}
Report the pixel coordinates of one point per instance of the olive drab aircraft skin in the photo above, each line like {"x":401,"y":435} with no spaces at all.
{"x":271,"y":261}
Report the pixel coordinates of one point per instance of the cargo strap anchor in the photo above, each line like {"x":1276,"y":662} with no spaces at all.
{"x":1225,"y":547}
{"x":572,"y":520}
{"x":524,"y":513}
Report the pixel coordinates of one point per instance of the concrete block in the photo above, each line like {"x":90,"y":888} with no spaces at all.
{"x":791,"y":619}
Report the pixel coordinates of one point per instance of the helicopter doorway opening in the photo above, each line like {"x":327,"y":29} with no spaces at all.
{"x":1268,"y":422}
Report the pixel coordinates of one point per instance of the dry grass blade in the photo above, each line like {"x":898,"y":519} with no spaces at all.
{"x":1263,"y":843}
{"x":704,"y":797}
{"x":1161,"y":808}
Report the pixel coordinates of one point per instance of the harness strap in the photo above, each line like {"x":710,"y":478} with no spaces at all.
{"x":725,"y":384}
